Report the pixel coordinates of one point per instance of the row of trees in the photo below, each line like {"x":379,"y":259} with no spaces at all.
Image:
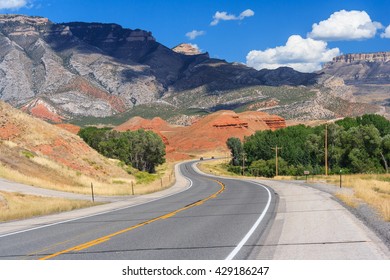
{"x":141,"y":149}
{"x":355,"y":145}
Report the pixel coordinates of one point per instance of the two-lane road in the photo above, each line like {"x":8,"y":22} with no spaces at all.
{"x":211,"y":220}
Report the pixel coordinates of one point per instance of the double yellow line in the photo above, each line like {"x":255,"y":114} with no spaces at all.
{"x":106,"y":238}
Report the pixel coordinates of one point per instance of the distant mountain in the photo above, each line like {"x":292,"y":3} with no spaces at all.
{"x":366,"y":74}
{"x":187,"y":49}
{"x":63,"y":71}
{"x":361,"y":68}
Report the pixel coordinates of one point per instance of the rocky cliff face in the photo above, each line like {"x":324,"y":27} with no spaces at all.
{"x":40,"y":60}
{"x":363,"y":77}
{"x":363,"y":57}
{"x":93,"y":69}
{"x":187,"y":49}
{"x":361,"y":68}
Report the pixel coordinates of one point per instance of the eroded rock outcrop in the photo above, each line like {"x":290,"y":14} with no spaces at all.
{"x":360,"y":57}
{"x":187,"y":49}
{"x":208,"y":133}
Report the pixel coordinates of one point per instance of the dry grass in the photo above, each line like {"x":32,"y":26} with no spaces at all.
{"x":217,"y":167}
{"x":15,"y":206}
{"x":68,"y":180}
{"x":76,"y":182}
{"x":373,"y":189}
{"x":22,"y":166}
{"x":163,"y":179}
{"x":348,"y":199}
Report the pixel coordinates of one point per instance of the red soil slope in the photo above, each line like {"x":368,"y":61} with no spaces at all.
{"x":26,"y":133}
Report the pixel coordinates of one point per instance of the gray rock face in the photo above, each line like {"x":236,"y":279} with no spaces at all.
{"x":361,"y":68}
{"x":94,"y":69}
{"x":366,"y":75}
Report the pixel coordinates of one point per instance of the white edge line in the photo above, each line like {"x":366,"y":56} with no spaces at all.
{"x":100,"y":213}
{"x":254,"y":227}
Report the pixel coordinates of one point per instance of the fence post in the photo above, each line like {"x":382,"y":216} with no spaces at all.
{"x":93,"y":196}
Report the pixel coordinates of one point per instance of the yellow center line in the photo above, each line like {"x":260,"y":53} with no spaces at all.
{"x":41,"y":251}
{"x":109,"y":236}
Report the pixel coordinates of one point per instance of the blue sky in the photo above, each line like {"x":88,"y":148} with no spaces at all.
{"x":263,"y":34}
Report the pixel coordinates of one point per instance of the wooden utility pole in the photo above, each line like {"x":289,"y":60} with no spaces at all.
{"x":276,"y":158}
{"x":326,"y":149}
{"x":243,"y":163}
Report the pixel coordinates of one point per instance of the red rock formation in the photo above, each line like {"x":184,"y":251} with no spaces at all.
{"x":208,"y":134}
{"x":41,"y":109}
{"x":263,"y":121}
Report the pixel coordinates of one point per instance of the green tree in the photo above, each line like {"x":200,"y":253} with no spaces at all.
{"x":362,"y":149}
{"x":235,"y":147}
{"x":93,"y":135}
{"x":141,"y":149}
{"x":385,"y":152}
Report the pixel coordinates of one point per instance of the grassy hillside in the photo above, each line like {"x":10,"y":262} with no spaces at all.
{"x":36,"y":153}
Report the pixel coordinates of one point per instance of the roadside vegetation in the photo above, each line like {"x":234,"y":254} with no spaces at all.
{"x":15,"y":206}
{"x":355,"y":145}
{"x":67,"y":180}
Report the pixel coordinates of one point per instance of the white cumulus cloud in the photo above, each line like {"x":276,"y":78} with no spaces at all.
{"x":12,"y":4}
{"x":386,"y":34}
{"x":345,"y":25}
{"x":246,"y":13}
{"x":304,"y":55}
{"x":195,"y":33}
{"x":221,"y":16}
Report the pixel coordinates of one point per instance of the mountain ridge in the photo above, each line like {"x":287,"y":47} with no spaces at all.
{"x":111,"y":65}
{"x":366,"y":75}
{"x":69,"y":71}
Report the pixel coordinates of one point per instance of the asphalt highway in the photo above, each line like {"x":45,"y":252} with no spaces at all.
{"x":213,"y":219}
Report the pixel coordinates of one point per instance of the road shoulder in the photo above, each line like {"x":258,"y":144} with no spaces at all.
{"x":310,"y":224}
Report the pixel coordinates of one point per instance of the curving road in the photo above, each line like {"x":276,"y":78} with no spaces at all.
{"x":212,"y":219}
